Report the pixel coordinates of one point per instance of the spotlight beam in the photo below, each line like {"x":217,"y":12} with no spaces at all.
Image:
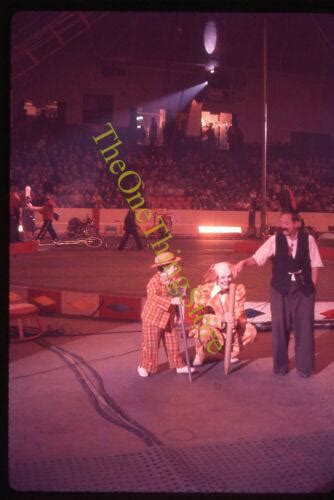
{"x":176,"y":101}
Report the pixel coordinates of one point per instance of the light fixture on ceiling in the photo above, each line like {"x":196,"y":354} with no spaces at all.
{"x":210,"y":37}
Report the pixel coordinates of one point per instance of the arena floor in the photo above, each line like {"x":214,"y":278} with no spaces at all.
{"x":110,"y":271}
{"x":82,"y":420}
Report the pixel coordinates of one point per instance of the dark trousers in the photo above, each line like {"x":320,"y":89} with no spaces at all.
{"x":127,"y":235}
{"x":295,"y":309}
{"x":47,"y":227}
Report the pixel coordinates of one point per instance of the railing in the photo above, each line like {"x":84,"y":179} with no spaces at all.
{"x":49,"y":39}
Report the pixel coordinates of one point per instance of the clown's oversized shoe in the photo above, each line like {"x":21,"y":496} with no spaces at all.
{"x":142,"y":372}
{"x":184,"y":369}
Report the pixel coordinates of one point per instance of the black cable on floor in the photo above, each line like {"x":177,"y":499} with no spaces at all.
{"x":101,"y":400}
{"x":58,"y":332}
{"x":60,"y":367}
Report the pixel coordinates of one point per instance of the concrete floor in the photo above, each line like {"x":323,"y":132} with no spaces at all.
{"x":82,"y":420}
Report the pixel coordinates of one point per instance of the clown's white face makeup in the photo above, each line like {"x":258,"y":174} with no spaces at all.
{"x":224,"y":273}
{"x":224,"y":281}
{"x":168,"y":272}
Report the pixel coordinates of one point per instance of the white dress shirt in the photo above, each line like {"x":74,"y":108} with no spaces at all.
{"x":268,"y":249}
{"x":217,"y":289}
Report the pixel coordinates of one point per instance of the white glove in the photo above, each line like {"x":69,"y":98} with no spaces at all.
{"x":176,"y":300}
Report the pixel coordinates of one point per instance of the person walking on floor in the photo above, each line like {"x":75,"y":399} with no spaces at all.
{"x":130,"y":229}
{"x":48,"y":214}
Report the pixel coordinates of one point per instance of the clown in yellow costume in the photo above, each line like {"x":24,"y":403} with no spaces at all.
{"x":211,"y":316}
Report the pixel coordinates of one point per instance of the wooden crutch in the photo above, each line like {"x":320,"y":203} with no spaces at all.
{"x":229,"y":330}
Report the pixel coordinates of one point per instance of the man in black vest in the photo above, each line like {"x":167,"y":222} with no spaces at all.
{"x":295,"y":264}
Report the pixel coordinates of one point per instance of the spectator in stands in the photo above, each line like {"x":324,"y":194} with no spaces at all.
{"x":153,"y":132}
{"x":235,"y":140}
{"x":211,"y":139}
{"x":285,"y":197}
{"x":69,"y":162}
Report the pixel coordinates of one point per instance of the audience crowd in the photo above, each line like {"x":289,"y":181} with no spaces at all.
{"x":65,"y":161}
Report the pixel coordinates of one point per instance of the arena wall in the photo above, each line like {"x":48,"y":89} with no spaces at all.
{"x":185,"y":222}
{"x":294,"y":104}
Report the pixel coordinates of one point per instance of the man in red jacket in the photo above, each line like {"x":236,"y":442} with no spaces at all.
{"x":159,"y":315}
{"x":47,"y":212}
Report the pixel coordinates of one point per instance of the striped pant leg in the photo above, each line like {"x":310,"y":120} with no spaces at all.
{"x":199,"y":349}
{"x":171,"y":343}
{"x":150,"y":347}
{"x":241,"y":338}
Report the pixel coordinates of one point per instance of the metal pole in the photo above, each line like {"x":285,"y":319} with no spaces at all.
{"x":184,"y":335}
{"x":265,"y":125}
{"x":229,"y":329}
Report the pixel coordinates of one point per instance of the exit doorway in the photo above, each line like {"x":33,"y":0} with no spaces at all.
{"x":218,"y":123}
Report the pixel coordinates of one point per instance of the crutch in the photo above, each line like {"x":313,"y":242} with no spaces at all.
{"x":184,"y":339}
{"x":229,"y":330}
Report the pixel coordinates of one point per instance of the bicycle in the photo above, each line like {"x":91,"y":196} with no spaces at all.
{"x":82,"y":228}
{"x":80,"y":233}
{"x":90,"y":241}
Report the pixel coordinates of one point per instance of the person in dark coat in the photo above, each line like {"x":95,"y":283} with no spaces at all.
{"x":130,"y":229}
{"x":153,"y":132}
{"x":285,"y":198}
{"x":235,"y":140}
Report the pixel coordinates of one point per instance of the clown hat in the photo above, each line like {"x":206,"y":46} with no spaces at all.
{"x":165,"y":258}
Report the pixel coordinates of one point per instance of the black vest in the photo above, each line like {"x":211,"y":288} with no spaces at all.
{"x":283,"y":263}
